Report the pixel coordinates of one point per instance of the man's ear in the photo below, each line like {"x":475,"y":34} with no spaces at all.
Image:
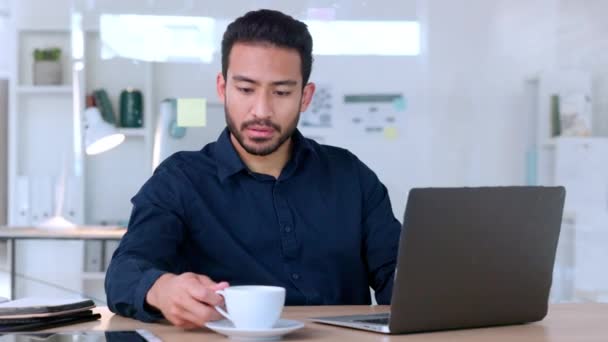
{"x":307,"y":93}
{"x":221,"y":87}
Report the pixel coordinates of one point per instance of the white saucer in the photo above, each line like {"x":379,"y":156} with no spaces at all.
{"x":281,"y":327}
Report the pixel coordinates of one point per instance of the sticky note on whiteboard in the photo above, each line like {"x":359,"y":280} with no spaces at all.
{"x":192,"y":112}
{"x":391,"y":133}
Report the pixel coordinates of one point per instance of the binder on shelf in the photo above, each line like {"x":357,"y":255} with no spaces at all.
{"x":72,"y":208}
{"x":41,"y":199}
{"x":22,"y":188}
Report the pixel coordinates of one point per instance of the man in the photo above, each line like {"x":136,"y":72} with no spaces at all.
{"x":263,"y":205}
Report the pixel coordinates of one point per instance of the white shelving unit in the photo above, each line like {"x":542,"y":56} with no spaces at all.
{"x":4,"y":81}
{"x":580,"y":164}
{"x":46,"y":130}
{"x":41,"y":149}
{"x":45,"y":90}
{"x":45,"y":138}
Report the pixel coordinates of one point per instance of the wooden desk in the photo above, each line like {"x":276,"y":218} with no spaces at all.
{"x":565,"y":322}
{"x":78,"y":233}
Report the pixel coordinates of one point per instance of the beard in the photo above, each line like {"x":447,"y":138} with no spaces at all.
{"x":261,"y":146}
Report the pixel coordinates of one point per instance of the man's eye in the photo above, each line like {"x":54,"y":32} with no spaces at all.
{"x":282,"y":93}
{"x":245,"y":90}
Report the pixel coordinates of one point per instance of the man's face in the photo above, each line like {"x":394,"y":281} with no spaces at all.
{"x":262,"y":96}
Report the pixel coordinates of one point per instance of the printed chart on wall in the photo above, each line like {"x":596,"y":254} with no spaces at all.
{"x":319,"y":113}
{"x":377,"y":115}
{"x":318,"y":118}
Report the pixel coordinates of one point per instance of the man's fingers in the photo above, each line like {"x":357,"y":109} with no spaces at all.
{"x":220,"y":286}
{"x":204,"y":280}
{"x":205,"y":295}
{"x":197,"y":312}
{"x":192,"y":299}
{"x":177,"y":316}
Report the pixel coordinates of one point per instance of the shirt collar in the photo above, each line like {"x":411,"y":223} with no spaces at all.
{"x":230,"y":163}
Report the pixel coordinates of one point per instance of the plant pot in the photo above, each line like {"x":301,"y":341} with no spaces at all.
{"x":47,"y":73}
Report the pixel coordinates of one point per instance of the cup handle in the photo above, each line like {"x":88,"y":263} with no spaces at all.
{"x":219,"y":309}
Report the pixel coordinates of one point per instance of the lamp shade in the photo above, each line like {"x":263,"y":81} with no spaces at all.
{"x":99,"y":136}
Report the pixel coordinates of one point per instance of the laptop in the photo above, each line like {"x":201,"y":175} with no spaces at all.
{"x":470,"y":257}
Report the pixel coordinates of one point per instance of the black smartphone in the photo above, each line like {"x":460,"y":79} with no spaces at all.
{"x":83,"y":336}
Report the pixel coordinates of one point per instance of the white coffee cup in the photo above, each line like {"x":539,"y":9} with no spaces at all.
{"x":252,"y":307}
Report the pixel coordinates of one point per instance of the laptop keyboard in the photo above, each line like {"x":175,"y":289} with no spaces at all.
{"x":380,"y":321}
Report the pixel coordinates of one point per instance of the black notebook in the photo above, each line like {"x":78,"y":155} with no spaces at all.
{"x":31,"y":314}
{"x":50,"y":322}
{"x":43,"y":307}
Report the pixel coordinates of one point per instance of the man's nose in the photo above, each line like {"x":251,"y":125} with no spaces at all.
{"x":262,"y":108}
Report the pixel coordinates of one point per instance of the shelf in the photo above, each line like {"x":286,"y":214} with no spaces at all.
{"x":133,"y":132}
{"x":549,"y":143}
{"x":552,"y":142}
{"x":54,"y":30}
{"x":93,"y":275}
{"x":45,"y":90}
{"x":44,"y":30}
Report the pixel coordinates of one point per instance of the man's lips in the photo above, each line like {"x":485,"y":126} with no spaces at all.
{"x":260,"y":131}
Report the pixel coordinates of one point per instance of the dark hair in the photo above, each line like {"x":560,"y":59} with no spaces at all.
{"x":274,"y":27}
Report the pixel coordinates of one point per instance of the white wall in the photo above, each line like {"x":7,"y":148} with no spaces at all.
{"x":5,"y":26}
{"x":43,"y":15}
{"x":480,"y":53}
{"x":3,"y":150}
{"x":470,"y":124}
{"x":5,"y":43}
{"x":5,"y":13}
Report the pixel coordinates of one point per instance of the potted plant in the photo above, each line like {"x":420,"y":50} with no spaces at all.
{"x":47,"y":66}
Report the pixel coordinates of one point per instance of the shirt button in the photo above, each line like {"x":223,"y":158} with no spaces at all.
{"x":295,"y":276}
{"x":287,"y":229}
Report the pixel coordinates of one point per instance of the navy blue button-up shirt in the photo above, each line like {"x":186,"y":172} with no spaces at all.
{"x":324,"y":229}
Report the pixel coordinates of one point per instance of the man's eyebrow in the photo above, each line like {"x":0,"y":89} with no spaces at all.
{"x":244,"y":79}
{"x":276,"y":83}
{"x":285,"y":82}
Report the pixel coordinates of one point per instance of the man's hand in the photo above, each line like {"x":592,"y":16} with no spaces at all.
{"x":186,"y":300}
